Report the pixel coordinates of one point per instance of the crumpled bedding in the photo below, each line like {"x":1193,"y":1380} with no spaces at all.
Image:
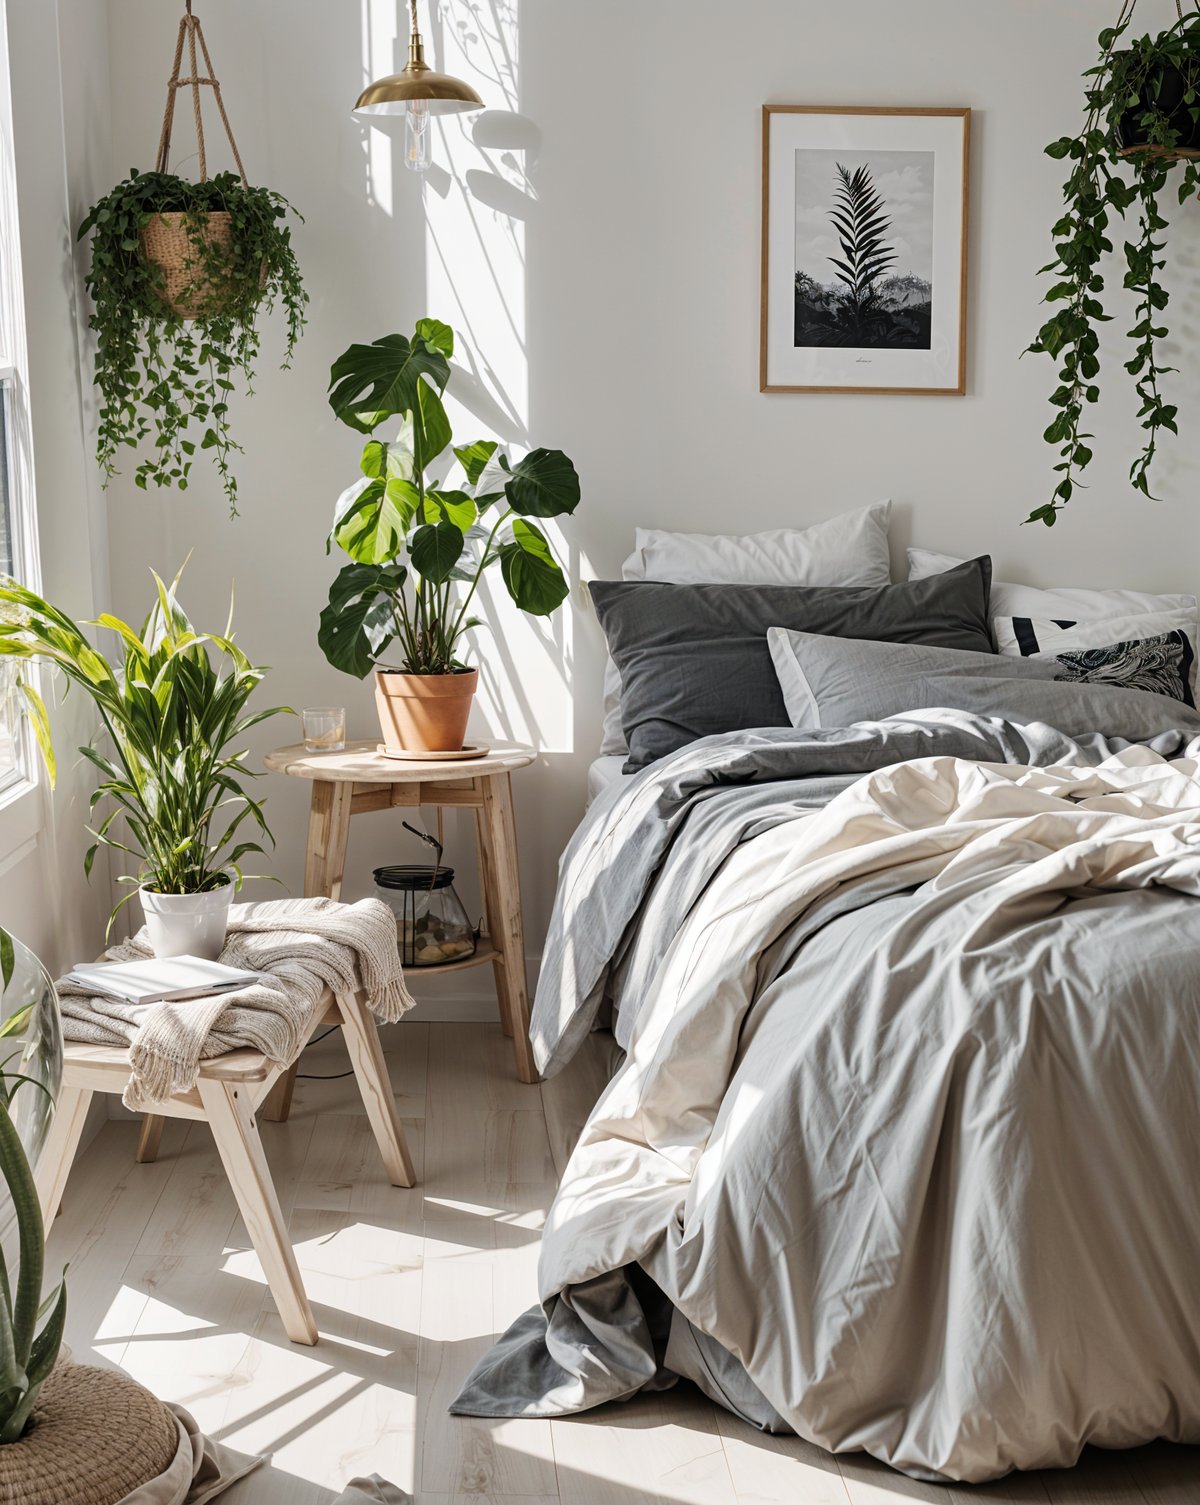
{"x":908,"y":1122}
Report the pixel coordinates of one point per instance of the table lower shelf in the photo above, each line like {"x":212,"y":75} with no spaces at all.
{"x":484,"y":952}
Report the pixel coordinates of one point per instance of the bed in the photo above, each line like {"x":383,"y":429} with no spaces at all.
{"x":901,"y":1155}
{"x":603,"y":773}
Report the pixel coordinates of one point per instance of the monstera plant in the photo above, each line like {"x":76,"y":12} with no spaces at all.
{"x":420,"y":526}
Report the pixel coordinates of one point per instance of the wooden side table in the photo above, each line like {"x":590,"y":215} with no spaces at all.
{"x":361,"y":779}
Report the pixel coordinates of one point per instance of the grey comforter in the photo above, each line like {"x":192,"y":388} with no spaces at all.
{"x":903,"y":1152}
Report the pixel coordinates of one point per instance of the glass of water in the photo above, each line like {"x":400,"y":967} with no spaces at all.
{"x":324,"y":728}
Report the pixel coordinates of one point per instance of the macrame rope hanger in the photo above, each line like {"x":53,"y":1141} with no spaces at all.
{"x":1127,"y":11}
{"x":191,"y":32}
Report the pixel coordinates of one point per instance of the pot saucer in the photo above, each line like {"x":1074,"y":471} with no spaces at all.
{"x":403,"y":755}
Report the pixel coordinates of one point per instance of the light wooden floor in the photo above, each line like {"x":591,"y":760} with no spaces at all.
{"x":409,"y":1288}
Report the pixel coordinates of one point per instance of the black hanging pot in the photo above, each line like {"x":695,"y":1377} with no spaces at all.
{"x":1163,"y":90}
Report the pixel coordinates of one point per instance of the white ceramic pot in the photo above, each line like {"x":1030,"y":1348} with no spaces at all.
{"x":187,"y":924}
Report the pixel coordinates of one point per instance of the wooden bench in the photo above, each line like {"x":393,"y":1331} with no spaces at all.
{"x":226,"y":1095}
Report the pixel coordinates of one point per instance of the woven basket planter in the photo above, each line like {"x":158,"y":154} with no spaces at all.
{"x":95,"y":1436}
{"x":169,"y":242}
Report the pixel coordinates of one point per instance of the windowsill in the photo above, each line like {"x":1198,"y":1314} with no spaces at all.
{"x":21,"y":819}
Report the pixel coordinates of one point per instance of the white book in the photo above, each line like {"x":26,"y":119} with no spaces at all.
{"x":170,"y":979}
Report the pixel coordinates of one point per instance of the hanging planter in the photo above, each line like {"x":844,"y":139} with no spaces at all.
{"x":1142,"y":124}
{"x":181,"y":275}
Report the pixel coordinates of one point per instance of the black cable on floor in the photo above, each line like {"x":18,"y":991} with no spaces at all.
{"x":332,"y":1076}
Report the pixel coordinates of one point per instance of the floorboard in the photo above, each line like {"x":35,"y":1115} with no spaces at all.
{"x":410,"y":1287}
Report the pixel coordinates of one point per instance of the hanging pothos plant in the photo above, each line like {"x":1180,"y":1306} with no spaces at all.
{"x":181,"y":276}
{"x":1142,"y":123}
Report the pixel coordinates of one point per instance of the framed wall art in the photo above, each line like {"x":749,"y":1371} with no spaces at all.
{"x":864,"y":249}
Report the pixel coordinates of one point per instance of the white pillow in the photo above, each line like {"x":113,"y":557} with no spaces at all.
{"x":1071,"y":602}
{"x":1037,"y":637}
{"x":851,"y":549}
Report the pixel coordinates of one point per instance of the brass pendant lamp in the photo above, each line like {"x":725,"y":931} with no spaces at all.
{"x":417,"y":93}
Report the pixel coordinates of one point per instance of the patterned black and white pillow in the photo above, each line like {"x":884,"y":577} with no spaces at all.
{"x":1162,"y":665}
{"x":1112,"y":641}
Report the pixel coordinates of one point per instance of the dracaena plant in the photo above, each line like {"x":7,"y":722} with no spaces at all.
{"x":27,"y":1353}
{"x":419,"y":540}
{"x":1143,"y":94}
{"x":173,"y":711}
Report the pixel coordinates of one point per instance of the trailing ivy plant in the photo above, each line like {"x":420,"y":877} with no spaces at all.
{"x":1144,"y":95}
{"x":418,"y":545}
{"x":163,"y":378}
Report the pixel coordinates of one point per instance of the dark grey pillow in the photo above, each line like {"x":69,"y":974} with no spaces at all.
{"x":694,"y":660}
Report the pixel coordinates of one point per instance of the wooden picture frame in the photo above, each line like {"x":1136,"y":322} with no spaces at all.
{"x":864,"y":272}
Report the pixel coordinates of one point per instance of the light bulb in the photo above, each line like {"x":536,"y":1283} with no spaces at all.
{"x":416,"y":135}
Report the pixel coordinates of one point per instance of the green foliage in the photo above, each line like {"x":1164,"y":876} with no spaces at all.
{"x":412,"y":539}
{"x":169,"y":380}
{"x":1129,"y":90}
{"x":27,"y":1354}
{"x":172,"y":711}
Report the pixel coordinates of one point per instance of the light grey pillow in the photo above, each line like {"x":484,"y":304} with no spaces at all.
{"x":839,"y":681}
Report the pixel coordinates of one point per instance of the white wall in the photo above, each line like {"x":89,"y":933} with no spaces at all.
{"x":59,"y":104}
{"x":597,"y":250}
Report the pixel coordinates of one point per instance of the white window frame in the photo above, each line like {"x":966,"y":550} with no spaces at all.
{"x":22,"y":788}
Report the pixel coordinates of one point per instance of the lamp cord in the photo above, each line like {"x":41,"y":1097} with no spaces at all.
{"x":412,"y":10}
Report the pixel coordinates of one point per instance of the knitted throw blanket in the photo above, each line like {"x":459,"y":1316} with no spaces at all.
{"x":305,"y":945}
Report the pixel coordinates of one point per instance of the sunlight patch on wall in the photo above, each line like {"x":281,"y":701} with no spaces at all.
{"x":478,"y":204}
{"x":381,"y":48}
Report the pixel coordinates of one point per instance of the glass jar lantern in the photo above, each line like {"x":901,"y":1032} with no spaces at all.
{"x":431,"y":924}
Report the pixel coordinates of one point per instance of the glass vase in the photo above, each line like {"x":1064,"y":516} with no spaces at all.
{"x":30,"y":1047}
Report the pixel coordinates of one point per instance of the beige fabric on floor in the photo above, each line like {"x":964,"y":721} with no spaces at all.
{"x":305,"y":945}
{"x":372,"y":1491}
{"x":203,"y":1469}
{"x":200,"y":1471}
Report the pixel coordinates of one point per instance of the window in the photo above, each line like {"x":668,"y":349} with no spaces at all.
{"x":10,"y":733}
{"x":19,"y":767}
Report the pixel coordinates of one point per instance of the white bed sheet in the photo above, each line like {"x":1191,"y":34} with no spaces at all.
{"x":604,"y":773}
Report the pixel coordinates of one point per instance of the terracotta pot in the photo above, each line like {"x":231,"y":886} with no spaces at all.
{"x":424,"y":712}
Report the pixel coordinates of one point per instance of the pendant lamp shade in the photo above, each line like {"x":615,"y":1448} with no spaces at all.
{"x":418,"y":88}
{"x":441,"y":93}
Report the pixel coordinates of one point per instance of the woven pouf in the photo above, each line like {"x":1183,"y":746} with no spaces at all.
{"x":96,"y":1436}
